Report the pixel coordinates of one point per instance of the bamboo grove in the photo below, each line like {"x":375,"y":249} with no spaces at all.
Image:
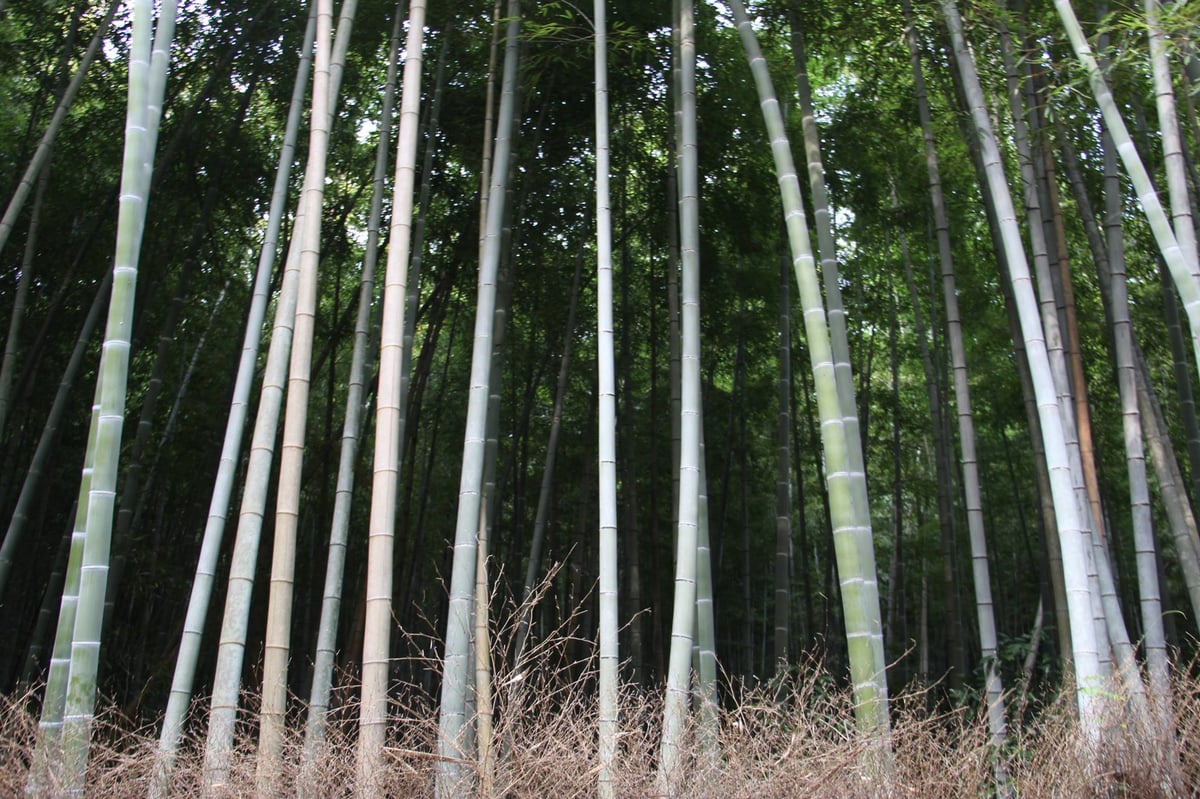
{"x":461,"y":351}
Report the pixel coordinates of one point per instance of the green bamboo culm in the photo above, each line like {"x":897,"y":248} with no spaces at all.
{"x":147,"y":81}
{"x":854,"y":548}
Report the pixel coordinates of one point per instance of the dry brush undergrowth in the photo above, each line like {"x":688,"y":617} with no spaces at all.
{"x":789,"y":739}
{"x":792,"y":737}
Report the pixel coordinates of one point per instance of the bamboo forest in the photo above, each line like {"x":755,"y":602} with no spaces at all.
{"x":535,"y":398}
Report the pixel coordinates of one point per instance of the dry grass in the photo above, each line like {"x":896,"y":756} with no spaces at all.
{"x":789,"y":739}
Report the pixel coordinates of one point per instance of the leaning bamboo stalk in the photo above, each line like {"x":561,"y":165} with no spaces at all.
{"x":45,"y":146}
{"x":1187,"y":281}
{"x":48,"y":746}
{"x":19,"y":523}
{"x":148,"y":67}
{"x":277,"y":645}
{"x":210,"y":546}
{"x":243,"y":563}
{"x":985,"y":610}
{"x":452,"y":716}
{"x":12,"y":341}
{"x":852,"y":540}
{"x":373,"y":710}
{"x":1072,"y":532}
{"x":318,"y":705}
{"x":1053,"y":333}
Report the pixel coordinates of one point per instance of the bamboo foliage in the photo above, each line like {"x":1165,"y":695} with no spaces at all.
{"x":45,"y":146}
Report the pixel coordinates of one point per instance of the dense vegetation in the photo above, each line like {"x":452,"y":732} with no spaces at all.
{"x":776,"y":597}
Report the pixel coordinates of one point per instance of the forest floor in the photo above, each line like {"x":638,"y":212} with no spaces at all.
{"x":795,"y":740}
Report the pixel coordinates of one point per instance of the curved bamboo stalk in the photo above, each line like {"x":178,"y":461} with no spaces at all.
{"x":850,"y":516}
{"x":683,"y":620}
{"x":1185,"y":273}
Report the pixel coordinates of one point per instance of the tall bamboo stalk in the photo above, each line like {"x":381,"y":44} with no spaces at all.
{"x":844,"y":482}
{"x":318,"y":706}
{"x":232,"y":645}
{"x":148,"y":65}
{"x":372,"y":721}
{"x":607,"y":419}
{"x":1073,"y":534}
{"x":985,"y":611}
{"x":678,"y":688}
{"x":197,"y":611}
{"x":1184,"y":272}
{"x":277,"y":645}
{"x":452,"y":718}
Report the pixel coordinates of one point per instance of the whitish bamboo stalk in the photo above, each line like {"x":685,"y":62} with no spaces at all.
{"x":835,"y":314}
{"x":318,"y":704}
{"x":607,"y":409}
{"x":1073,"y":534}
{"x":210,"y":546}
{"x":707,"y":722}
{"x":244,"y":560}
{"x":1184,"y":272}
{"x":277,"y":645}
{"x":451,"y":779}
{"x":985,"y":611}
{"x":1053,"y":331}
{"x":683,"y":619}
{"x":1172,"y":141}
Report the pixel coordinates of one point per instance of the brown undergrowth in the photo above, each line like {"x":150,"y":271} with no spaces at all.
{"x":792,"y":738}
